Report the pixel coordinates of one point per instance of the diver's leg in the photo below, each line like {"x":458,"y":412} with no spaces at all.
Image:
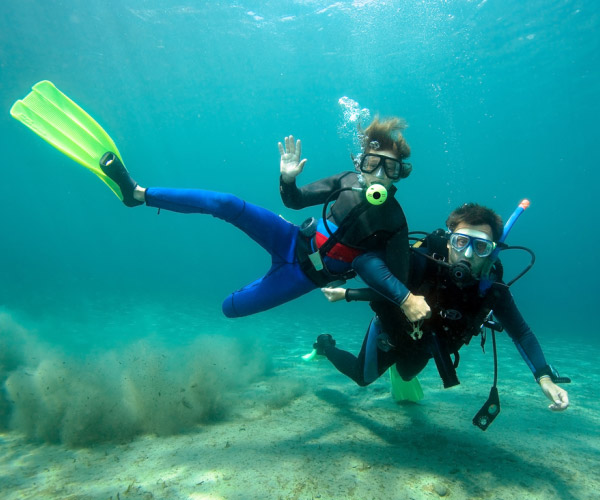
{"x":346,"y":363}
{"x":269,"y":230}
{"x":371,"y":362}
{"x":411,"y":362}
{"x":195,"y":201}
{"x":285,"y":281}
{"x":412,"y":357}
{"x":376,"y":361}
{"x":266,"y":228}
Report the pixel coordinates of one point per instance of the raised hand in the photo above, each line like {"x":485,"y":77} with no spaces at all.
{"x":290,"y":165}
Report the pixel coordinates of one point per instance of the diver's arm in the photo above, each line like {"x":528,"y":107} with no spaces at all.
{"x":371,"y":267}
{"x":397,"y":254}
{"x":350,"y":294}
{"x":527,"y":343}
{"x":528,"y":346}
{"x":555,"y":393}
{"x":315,"y":193}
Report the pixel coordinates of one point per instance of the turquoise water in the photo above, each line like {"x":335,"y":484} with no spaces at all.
{"x":499,"y":97}
{"x":501,"y":102}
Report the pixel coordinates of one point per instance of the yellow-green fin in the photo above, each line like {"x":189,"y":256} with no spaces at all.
{"x":402,"y":390}
{"x":62,"y":123}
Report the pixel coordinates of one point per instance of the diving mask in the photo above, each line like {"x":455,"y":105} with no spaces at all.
{"x":481,"y":246}
{"x":371,"y":162}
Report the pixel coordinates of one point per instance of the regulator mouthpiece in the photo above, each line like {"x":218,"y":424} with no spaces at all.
{"x":461,"y":272}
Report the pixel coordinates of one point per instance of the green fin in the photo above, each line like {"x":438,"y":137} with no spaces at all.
{"x":310,"y":356}
{"x":405,"y":391}
{"x":67,"y":127}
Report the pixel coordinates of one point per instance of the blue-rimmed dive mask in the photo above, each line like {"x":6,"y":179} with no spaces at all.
{"x":469,"y":241}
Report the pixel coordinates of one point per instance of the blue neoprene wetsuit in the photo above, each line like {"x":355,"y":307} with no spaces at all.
{"x":381,"y":227}
{"x":283,"y":282}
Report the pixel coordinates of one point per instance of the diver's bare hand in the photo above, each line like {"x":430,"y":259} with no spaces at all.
{"x":555,"y":393}
{"x":290,"y":165}
{"x":334,"y":294}
{"x":415,"y":308}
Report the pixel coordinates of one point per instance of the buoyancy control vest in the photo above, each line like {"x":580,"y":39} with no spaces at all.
{"x":374,"y":226}
{"x":360,"y":227}
{"x":457,"y":312}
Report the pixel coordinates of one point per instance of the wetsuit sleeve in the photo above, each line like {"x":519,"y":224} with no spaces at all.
{"x":371,"y":267}
{"x":397,"y":254}
{"x":315,"y":193}
{"x":362,"y":294}
{"x":519,"y":331}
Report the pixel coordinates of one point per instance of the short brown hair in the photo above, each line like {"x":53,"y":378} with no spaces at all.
{"x":474,"y":215}
{"x":388,"y":133}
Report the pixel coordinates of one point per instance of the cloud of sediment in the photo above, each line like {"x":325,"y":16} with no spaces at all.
{"x":116,"y":395}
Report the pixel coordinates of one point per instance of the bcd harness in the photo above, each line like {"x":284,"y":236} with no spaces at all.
{"x":447,"y":335}
{"x":458,"y":313}
{"x":312,"y":261}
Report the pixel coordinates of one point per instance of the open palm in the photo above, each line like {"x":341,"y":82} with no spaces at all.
{"x":290,"y":165}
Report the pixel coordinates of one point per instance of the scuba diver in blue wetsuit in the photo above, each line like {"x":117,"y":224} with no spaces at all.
{"x":363,"y":218}
{"x":450,"y":269}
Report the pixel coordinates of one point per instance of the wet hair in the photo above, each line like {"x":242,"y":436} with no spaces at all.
{"x":388,"y":134}
{"x":475,"y":215}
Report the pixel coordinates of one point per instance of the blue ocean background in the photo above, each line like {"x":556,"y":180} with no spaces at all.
{"x":501,"y":102}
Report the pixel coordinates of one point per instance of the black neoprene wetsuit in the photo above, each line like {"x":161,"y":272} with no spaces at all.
{"x":457,"y":315}
{"x":378,"y":228}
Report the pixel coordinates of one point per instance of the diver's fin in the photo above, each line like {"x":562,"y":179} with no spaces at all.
{"x":402,"y":390}
{"x":310,"y":356}
{"x":62,"y":123}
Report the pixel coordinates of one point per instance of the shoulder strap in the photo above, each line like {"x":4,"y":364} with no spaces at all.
{"x":348,"y":221}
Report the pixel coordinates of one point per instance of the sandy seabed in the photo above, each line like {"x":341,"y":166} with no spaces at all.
{"x":328,"y":438}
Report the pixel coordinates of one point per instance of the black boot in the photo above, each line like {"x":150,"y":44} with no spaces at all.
{"x":324,"y":341}
{"x":113,"y":168}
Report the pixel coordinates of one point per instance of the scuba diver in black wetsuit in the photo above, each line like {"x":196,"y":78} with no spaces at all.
{"x":449,"y":270}
{"x":363,"y":218}
{"x":358,"y":228}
